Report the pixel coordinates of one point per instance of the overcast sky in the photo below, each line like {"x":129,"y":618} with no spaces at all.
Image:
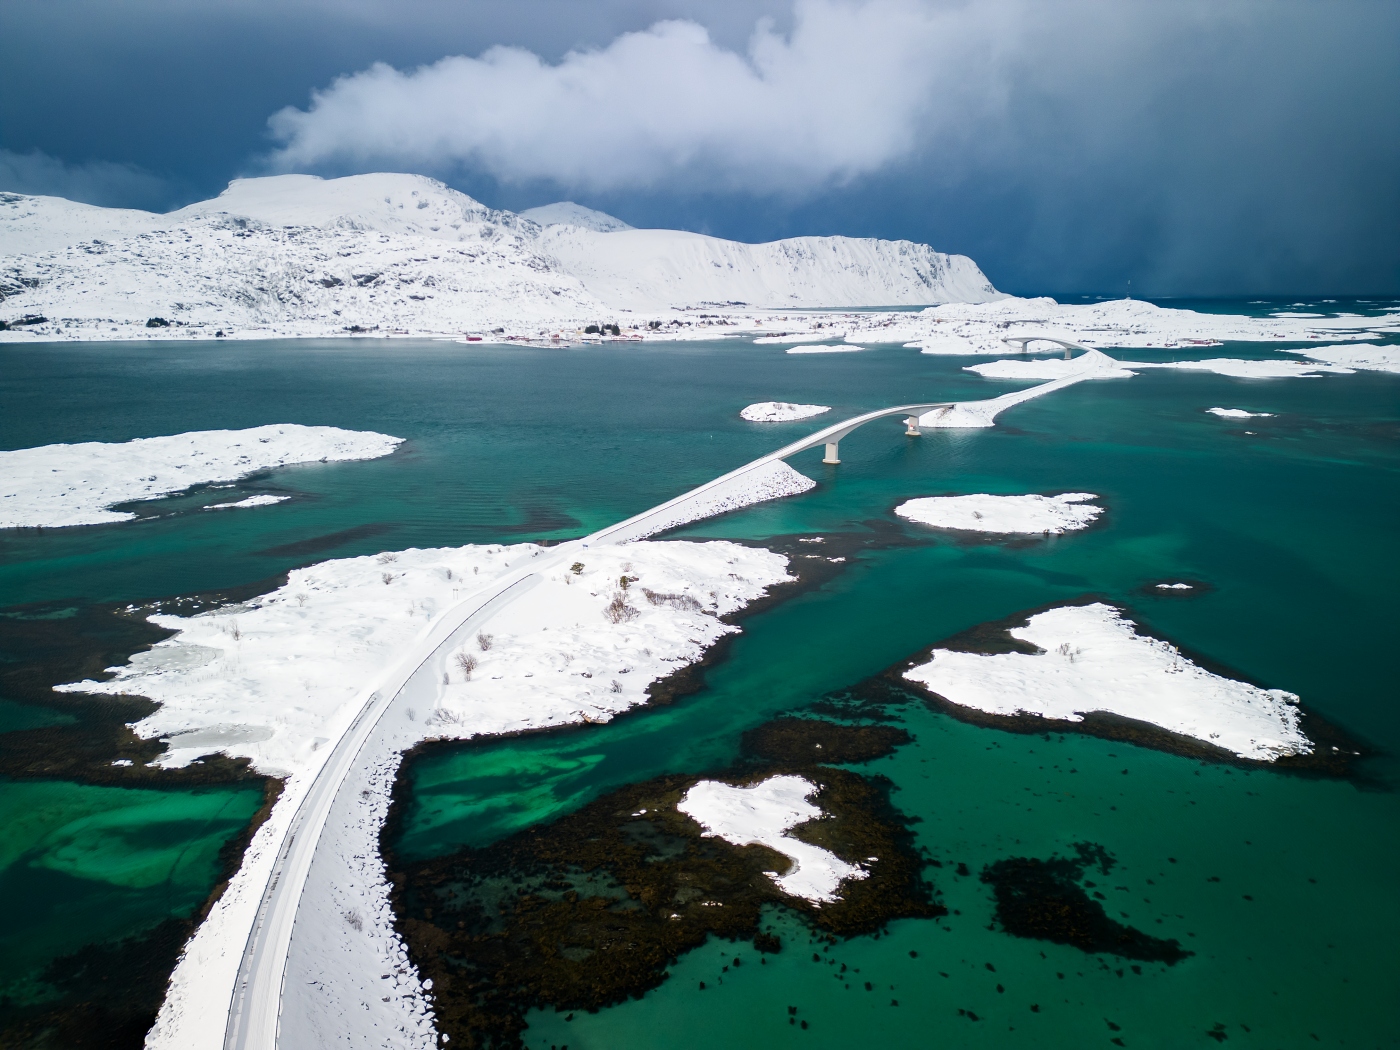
{"x":1231,"y":147}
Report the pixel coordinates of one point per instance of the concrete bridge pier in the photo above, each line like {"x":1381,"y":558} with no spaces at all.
{"x":911,"y":427}
{"x":832,"y":448}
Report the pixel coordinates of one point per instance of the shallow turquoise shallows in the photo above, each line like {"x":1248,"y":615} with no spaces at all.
{"x":1293,"y":525}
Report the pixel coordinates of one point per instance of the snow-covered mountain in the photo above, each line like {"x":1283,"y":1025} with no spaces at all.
{"x":640,"y":269}
{"x":300,"y":255}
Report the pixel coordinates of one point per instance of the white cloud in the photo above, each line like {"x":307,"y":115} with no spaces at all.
{"x":95,"y":182}
{"x":853,"y":87}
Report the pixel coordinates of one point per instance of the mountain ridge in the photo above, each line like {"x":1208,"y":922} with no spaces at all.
{"x":301,"y":255}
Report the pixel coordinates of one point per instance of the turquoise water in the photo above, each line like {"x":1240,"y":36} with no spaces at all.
{"x":1293,"y":526}
{"x":81,"y":864}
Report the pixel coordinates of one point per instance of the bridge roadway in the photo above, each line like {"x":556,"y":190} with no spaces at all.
{"x":253,"y":1021}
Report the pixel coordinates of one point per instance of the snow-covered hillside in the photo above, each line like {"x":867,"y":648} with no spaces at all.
{"x":286,"y":255}
{"x":648,"y":269}
{"x":300,"y":255}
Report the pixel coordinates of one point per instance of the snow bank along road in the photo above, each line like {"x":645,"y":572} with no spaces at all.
{"x":255,"y":1019}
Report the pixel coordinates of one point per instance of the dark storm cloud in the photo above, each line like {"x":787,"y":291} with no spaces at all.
{"x":1193,"y":148}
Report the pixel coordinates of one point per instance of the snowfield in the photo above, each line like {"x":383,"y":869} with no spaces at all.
{"x":1092,"y":659}
{"x":762,"y":815}
{"x":60,"y":485}
{"x":1051,"y":515}
{"x":780,"y":411}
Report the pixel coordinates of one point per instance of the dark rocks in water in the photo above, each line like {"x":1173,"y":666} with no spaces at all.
{"x":108,"y":994}
{"x":331,"y":540}
{"x":798,"y":741}
{"x":591,"y":909}
{"x":1043,"y":899}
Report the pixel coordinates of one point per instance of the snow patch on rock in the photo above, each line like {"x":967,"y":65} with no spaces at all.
{"x":762,"y":815}
{"x":847,"y":349}
{"x":1092,"y":659}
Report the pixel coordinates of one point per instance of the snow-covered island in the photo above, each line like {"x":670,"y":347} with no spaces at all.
{"x":262,"y":680}
{"x":780,"y":411}
{"x":763,"y":813}
{"x":1238,"y":413}
{"x":262,"y":500}
{"x":278,"y":678}
{"x":62,"y":485}
{"x":1091,"y":659}
{"x":981,"y":512}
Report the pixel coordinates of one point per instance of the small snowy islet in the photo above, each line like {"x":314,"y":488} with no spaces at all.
{"x":780,"y":411}
{"x":264,"y":500}
{"x":1238,"y":413}
{"x":838,"y":349}
{"x":61,"y":485}
{"x":982,"y":512}
{"x":1098,"y":366}
{"x":1093,"y":660}
{"x":762,"y":814}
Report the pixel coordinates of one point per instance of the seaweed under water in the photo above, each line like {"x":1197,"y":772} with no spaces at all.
{"x":1043,"y":899}
{"x":589,"y":910}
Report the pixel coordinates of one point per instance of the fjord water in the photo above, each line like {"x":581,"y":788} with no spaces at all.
{"x":1291,"y":524}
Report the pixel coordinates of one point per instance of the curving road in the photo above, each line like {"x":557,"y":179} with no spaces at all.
{"x":255,"y":1006}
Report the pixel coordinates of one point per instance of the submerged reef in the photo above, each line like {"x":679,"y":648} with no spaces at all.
{"x":590,"y":909}
{"x":106,"y":994}
{"x":1043,"y":899}
{"x":796,"y":741}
